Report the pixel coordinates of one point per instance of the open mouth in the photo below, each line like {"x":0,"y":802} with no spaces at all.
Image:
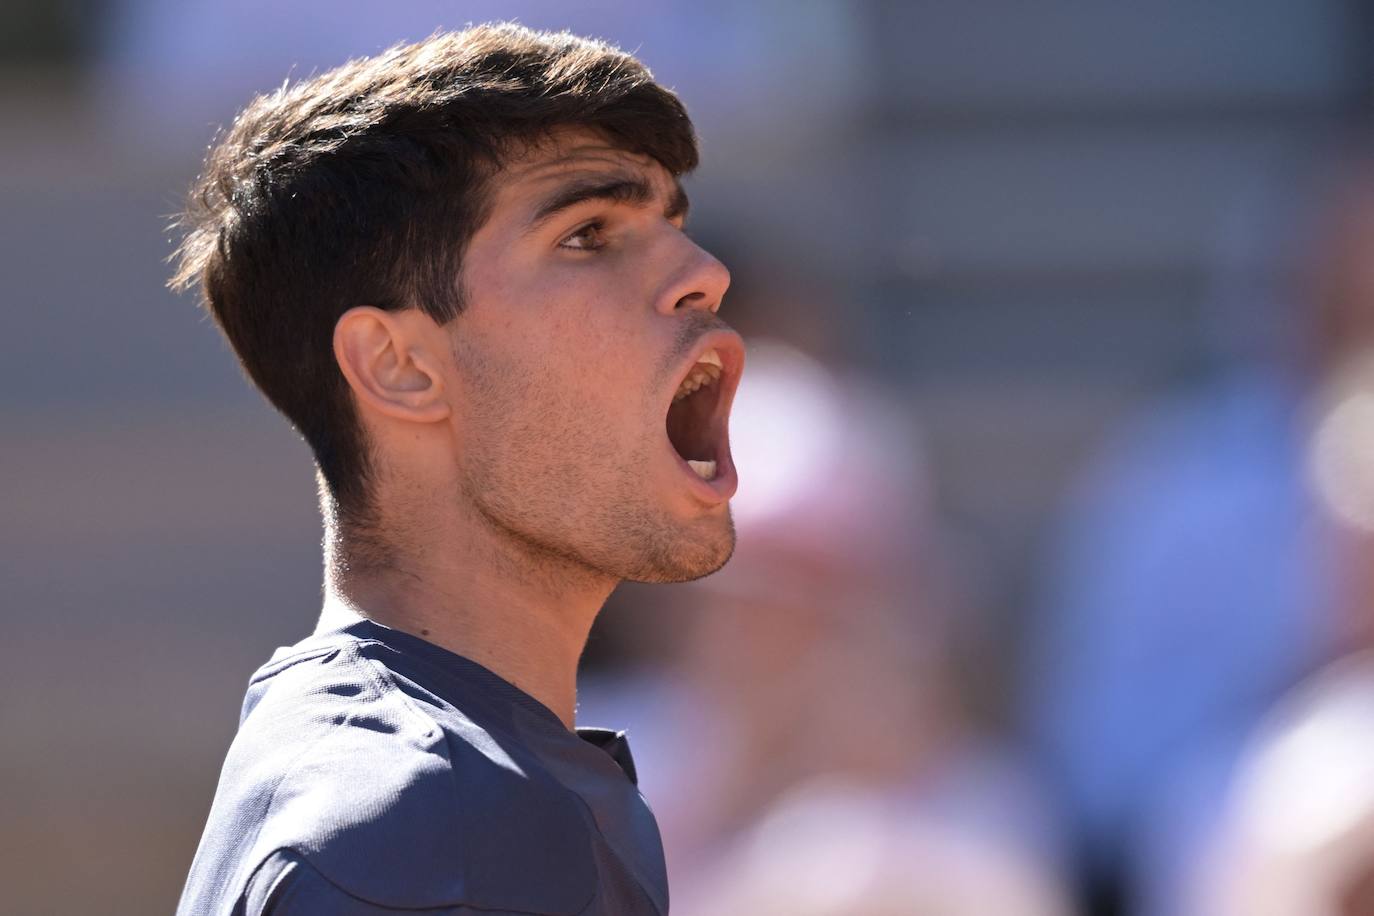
{"x":698,"y":417}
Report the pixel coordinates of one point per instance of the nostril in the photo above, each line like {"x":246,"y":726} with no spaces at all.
{"x":691,"y":300}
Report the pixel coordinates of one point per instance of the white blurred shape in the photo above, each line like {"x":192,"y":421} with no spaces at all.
{"x":827,"y":849}
{"x":1300,"y":830}
{"x":1341,"y":455}
{"x":1328,"y":754}
{"x":785,"y":431}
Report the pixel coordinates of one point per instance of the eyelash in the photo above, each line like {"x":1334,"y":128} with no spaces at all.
{"x":595,"y":227}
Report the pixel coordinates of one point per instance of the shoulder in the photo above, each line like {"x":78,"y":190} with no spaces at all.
{"x":394,"y":797}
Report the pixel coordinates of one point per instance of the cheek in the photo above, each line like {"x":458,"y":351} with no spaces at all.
{"x":594,"y":347}
{"x":567,"y":354}
{"x":554,"y":393}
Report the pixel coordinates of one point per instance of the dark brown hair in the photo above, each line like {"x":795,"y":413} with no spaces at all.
{"x":362,"y":186}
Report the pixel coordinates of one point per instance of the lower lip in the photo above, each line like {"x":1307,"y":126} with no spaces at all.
{"x":718,"y":489}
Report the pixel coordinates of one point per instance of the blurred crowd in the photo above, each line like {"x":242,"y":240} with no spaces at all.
{"x":1194,"y":720}
{"x":1168,"y":710}
{"x":800,"y":726}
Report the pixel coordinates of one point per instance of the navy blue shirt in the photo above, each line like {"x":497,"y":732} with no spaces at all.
{"x":374,"y":772}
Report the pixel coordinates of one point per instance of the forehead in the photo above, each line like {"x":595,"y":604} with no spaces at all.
{"x":566,"y":155}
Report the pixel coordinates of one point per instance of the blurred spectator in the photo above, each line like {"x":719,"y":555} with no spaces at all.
{"x":1196,"y":577}
{"x":808,"y":686}
{"x":831,"y":849}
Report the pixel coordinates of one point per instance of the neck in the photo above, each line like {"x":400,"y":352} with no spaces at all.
{"x":479,"y":592}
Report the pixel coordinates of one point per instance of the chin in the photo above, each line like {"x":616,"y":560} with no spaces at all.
{"x":684,"y":556}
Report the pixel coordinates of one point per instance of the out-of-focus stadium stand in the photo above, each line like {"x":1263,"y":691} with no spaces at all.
{"x":1018,"y":217}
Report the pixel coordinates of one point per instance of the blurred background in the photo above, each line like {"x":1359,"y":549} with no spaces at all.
{"x":1054,"y":585}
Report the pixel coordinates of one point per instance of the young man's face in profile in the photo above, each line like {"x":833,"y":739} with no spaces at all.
{"x":583,"y":318}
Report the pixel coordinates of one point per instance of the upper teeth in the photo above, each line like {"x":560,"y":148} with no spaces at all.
{"x":704,"y":374}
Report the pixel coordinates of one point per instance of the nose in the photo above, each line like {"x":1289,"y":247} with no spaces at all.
{"x":699,"y":283}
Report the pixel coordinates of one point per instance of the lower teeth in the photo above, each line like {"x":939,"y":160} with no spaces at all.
{"x":705,"y":469}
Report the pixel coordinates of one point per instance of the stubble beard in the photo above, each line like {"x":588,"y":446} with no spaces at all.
{"x":612,"y":535}
{"x":532,"y":480}
{"x":685,"y":558}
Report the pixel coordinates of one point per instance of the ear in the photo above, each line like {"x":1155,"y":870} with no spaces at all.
{"x":391,"y":361}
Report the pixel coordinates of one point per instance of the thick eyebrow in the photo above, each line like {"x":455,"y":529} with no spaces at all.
{"x":636,"y":192}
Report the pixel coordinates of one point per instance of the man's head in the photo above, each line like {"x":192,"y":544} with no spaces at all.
{"x":459,"y":269}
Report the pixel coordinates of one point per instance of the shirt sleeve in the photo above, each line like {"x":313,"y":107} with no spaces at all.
{"x":286,"y":884}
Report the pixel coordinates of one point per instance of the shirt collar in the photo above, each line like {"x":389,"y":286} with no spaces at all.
{"x":614,"y":743}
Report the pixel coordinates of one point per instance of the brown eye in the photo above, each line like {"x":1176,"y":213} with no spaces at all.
{"x":588,"y":238}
